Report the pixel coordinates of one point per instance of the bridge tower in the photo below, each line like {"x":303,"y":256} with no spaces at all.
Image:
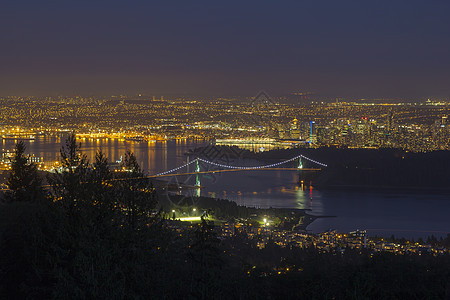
{"x":197,"y":180}
{"x":300,"y":164}
{"x":304,"y":177}
{"x":300,"y":173}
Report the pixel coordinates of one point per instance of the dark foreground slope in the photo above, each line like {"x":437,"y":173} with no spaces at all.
{"x":48,"y":252}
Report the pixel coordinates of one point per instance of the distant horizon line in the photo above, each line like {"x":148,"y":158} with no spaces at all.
{"x":186,"y":96}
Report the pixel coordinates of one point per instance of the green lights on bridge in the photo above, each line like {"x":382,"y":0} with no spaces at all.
{"x":300,"y":164}
{"x":197,"y":180}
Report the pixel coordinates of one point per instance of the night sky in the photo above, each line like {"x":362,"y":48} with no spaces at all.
{"x":394,"y":49}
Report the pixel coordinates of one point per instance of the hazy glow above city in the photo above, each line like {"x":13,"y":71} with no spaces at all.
{"x":378,"y":49}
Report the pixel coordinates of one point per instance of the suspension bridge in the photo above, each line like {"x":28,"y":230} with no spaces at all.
{"x":231,"y":168}
{"x":242,"y":168}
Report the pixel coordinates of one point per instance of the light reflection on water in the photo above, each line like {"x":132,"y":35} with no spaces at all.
{"x":385,"y":213}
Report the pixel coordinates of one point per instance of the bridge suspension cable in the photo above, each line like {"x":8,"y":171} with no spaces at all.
{"x":246,"y":167}
{"x":262,"y":166}
{"x":176,"y":169}
{"x":314,"y":161}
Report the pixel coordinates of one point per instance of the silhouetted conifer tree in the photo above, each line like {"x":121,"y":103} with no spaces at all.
{"x":67,"y":182}
{"x":131,"y":165}
{"x":23,"y":180}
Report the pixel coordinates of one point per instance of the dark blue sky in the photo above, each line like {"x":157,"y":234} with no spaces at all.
{"x":377,"y":48}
